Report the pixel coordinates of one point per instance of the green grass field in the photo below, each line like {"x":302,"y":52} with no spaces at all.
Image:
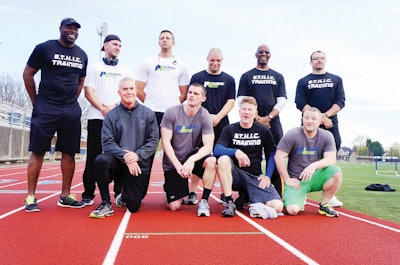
{"x":356,"y":176}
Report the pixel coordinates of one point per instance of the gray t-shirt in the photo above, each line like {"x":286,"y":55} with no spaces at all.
{"x":187,"y":132}
{"x":303,"y":151}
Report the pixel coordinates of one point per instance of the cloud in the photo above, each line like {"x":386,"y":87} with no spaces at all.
{"x":13,"y":10}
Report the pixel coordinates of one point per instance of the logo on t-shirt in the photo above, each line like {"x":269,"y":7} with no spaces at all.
{"x":164,"y":68}
{"x":263,"y":80}
{"x":109,"y":74}
{"x":186,"y":129}
{"x":320,"y":83}
{"x":211,"y":84}
{"x":306,"y":151}
{"x":67,"y":60}
{"x":246,"y":139}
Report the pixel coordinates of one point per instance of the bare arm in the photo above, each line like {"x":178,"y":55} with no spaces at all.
{"x":223,"y":112}
{"x":329,"y":159}
{"x":183,"y":90}
{"x":80,"y":85}
{"x":29,"y":81}
{"x":206,"y":149}
{"x":140,"y":90}
{"x":166,"y":137}
{"x":94,"y":100}
{"x":280,"y":162}
{"x":281,"y":165}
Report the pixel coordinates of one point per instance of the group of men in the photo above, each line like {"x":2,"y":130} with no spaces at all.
{"x":191,"y":117}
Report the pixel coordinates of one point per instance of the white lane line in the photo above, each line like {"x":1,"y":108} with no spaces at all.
{"x":42,"y":199}
{"x":274,"y":237}
{"x":118,"y":237}
{"x":362,"y":220}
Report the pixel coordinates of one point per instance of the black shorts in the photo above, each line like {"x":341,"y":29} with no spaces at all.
{"x":177,"y":187}
{"x":47,"y":119}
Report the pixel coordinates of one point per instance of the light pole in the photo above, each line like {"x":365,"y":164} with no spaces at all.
{"x":102,"y":31}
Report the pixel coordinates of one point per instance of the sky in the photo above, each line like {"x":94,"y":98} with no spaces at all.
{"x":361,"y":39}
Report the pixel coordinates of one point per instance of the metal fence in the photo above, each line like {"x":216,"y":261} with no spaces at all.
{"x":15,"y":125}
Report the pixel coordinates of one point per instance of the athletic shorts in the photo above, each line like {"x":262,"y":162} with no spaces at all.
{"x":292,"y":196}
{"x":47,"y":119}
{"x":244,"y":181}
{"x":177,"y":187}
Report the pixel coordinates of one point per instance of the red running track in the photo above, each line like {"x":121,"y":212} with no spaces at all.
{"x":155,"y":235}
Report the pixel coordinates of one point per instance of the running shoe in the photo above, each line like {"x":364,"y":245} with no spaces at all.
{"x":335,"y":202}
{"x":103,"y":210}
{"x":118,"y":201}
{"x":242,"y":200}
{"x":191,"y":199}
{"x":87,"y":201}
{"x":327,"y":209}
{"x":223,"y":199}
{"x":204,"y":208}
{"x":229,"y":210}
{"x":69,"y":201}
{"x":31,"y":204}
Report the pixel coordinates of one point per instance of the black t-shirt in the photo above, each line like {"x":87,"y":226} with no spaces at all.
{"x":265,"y":86}
{"x":220,"y":88}
{"x":320,"y":91}
{"x":251,"y":141}
{"x":61,"y":67}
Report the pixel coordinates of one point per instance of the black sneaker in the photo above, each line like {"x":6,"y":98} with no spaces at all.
{"x":103,"y":210}
{"x":242,"y":200}
{"x":327,"y":209}
{"x":223,"y":199}
{"x":31,"y":204}
{"x":87,"y":201}
{"x":229,"y":210}
{"x":191,"y":199}
{"x":69,"y":201}
{"x":118,"y":201}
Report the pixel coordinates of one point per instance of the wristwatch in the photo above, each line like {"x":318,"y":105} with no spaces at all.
{"x":270,"y":116}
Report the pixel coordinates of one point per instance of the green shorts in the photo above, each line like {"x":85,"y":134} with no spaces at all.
{"x":292,"y":196}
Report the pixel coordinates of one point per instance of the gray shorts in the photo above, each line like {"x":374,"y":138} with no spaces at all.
{"x":244,"y":181}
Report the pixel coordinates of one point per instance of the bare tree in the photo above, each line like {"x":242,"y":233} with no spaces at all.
{"x":13,"y":90}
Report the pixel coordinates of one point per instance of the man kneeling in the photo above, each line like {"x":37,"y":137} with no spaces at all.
{"x":239,"y":149}
{"x":129,"y":138}
{"x":311,"y":155}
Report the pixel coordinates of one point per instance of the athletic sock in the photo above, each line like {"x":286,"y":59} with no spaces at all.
{"x":206,"y":193}
{"x":228,"y":198}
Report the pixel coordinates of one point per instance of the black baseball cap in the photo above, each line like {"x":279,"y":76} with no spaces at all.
{"x":69,"y":21}
{"x":110,"y":38}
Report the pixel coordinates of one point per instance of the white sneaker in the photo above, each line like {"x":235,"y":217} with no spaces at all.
{"x":335,"y":202}
{"x":204,"y":208}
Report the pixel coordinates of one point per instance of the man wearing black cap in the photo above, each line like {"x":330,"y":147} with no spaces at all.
{"x":56,"y":109}
{"x":101,"y":90}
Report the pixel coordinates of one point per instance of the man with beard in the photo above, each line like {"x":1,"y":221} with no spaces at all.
{"x":305,"y":159}
{"x":267,"y":86}
{"x":324,"y":91}
{"x":56,"y":109}
{"x":101,"y":90}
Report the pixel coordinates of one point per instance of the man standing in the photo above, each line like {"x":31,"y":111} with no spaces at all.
{"x":267,"y":86}
{"x":324,"y":91}
{"x":187,"y":138}
{"x":101,"y":90}
{"x":163,"y":80}
{"x":240,"y":150}
{"x":221,"y":92}
{"x":129,"y":140}
{"x":305,"y":158}
{"x":63,"y":69}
